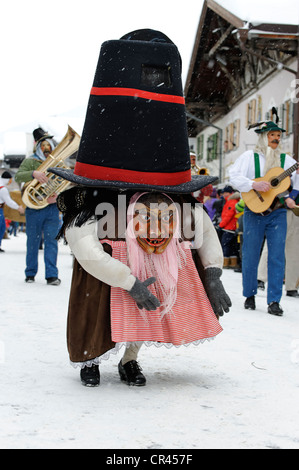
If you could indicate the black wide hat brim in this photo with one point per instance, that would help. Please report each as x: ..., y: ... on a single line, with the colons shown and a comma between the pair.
x: 197, y: 182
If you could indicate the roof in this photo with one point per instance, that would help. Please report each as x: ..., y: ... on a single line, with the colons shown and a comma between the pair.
x: 231, y: 57
x: 257, y: 12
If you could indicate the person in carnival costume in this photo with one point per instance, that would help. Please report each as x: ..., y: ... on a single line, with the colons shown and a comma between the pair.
x: 138, y: 236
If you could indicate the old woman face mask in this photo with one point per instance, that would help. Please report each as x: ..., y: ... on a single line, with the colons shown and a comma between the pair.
x: 154, y: 222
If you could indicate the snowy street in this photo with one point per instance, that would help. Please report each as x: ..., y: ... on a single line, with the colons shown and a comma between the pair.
x: 240, y: 391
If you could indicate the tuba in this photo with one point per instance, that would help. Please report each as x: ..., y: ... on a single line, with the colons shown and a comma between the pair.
x: 195, y: 169
x: 35, y: 194
x: 203, y: 171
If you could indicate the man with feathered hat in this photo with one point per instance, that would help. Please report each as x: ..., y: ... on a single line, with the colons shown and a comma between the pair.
x: 249, y: 173
x: 130, y: 219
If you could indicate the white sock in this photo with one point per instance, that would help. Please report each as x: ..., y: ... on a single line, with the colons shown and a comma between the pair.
x: 131, y: 353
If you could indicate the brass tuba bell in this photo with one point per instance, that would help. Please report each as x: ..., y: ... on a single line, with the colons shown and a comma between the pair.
x: 203, y: 171
x: 196, y: 170
x: 35, y: 194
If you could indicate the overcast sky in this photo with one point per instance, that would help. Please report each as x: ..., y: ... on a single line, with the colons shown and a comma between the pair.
x: 49, y: 49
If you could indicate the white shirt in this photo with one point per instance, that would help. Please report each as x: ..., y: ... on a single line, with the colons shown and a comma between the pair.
x: 295, y: 181
x: 242, y: 173
x: 6, y: 199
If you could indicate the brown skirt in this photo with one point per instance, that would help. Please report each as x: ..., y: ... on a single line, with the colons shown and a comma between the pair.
x: 88, y: 325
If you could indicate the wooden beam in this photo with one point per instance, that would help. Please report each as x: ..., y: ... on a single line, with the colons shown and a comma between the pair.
x: 221, y: 40
x: 218, y: 107
x: 229, y: 75
x: 267, y: 59
x: 225, y: 14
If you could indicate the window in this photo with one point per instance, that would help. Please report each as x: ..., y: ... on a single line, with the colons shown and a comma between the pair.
x: 259, y: 116
x: 236, y: 140
x: 287, y: 117
x: 212, y: 147
x: 200, y: 148
x: 232, y: 136
x: 250, y: 113
x: 227, y: 143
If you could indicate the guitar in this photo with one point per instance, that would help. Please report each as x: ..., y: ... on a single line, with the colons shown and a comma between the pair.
x: 279, y: 180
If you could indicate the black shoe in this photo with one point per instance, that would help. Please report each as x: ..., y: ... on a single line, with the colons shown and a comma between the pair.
x: 90, y: 376
x: 292, y: 293
x: 275, y: 309
x: 29, y: 279
x: 250, y: 303
x: 2, y: 251
x: 261, y: 285
x: 53, y: 281
x: 131, y: 373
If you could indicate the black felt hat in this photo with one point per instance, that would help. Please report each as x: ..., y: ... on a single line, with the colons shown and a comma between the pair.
x: 135, y: 132
x: 39, y: 135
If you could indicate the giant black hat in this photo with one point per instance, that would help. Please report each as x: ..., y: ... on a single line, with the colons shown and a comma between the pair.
x: 135, y: 132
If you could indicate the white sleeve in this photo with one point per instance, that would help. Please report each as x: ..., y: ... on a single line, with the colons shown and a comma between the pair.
x: 295, y: 181
x: 289, y: 161
x: 206, y: 240
x: 7, y: 199
x: 89, y: 252
x: 241, y: 173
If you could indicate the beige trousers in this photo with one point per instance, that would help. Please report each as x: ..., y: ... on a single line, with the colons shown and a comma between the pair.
x: 291, y: 255
x: 292, y: 252
x: 262, y: 272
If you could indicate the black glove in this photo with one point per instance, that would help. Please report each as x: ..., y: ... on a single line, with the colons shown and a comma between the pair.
x: 142, y: 296
x: 215, y: 291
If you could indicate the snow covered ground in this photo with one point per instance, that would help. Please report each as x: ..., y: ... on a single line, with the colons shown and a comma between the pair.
x: 240, y: 391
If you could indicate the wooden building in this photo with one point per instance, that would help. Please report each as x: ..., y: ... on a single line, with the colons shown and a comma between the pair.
x: 238, y: 72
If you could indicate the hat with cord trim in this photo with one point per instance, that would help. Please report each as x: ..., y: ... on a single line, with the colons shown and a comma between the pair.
x: 135, y: 132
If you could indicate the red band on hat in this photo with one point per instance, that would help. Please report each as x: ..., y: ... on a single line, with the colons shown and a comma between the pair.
x: 96, y: 172
x: 147, y: 95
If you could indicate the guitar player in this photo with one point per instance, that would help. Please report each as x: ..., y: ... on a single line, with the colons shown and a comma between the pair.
x: 270, y: 224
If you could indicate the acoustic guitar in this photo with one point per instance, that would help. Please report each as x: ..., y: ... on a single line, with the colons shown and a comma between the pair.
x: 279, y: 180
x: 14, y: 214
